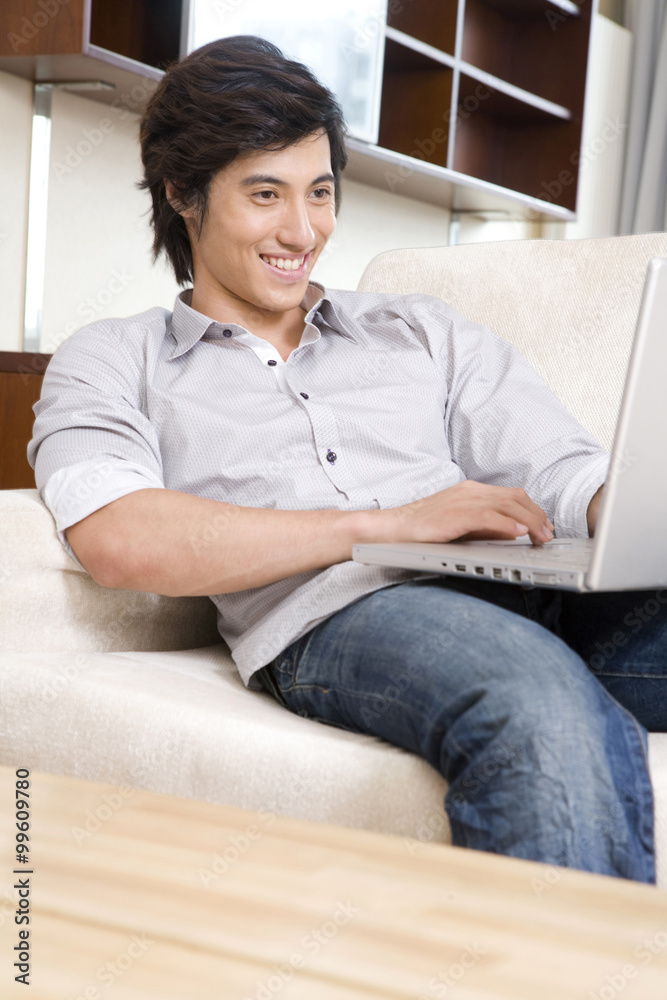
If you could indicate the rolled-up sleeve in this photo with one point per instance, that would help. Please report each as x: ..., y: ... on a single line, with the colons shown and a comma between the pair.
x: 92, y: 441
x: 78, y: 490
x: 505, y: 426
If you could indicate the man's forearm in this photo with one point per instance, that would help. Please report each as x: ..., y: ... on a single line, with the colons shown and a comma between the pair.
x: 177, y: 544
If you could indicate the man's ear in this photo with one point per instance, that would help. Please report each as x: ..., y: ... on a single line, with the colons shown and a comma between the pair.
x: 175, y: 200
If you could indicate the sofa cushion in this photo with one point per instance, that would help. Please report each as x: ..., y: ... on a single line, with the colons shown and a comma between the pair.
x: 50, y: 604
x: 183, y: 723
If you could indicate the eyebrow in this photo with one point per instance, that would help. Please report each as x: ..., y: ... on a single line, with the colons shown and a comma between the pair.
x: 269, y: 179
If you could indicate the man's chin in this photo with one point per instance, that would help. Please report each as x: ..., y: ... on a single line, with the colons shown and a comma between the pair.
x: 282, y: 300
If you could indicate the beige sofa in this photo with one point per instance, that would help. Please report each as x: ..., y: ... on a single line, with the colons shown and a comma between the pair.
x: 138, y: 690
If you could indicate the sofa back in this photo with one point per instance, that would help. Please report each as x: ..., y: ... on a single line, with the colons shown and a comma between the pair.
x: 49, y: 604
x: 570, y: 306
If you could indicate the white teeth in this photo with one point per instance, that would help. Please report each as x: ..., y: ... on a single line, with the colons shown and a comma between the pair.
x: 284, y: 263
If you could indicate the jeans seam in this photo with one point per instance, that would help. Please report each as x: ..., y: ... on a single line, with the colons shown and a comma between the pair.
x: 607, y: 673
x: 359, y: 696
x: 644, y: 784
x: 646, y: 790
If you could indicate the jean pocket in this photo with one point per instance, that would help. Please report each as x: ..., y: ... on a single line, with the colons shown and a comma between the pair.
x: 284, y: 667
x: 270, y: 683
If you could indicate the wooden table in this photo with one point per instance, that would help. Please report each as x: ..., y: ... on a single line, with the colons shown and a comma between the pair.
x: 135, y: 895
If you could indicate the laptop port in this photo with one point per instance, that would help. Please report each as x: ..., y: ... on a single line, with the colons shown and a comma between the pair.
x: 497, y: 573
x: 479, y: 570
x: 515, y: 575
x: 461, y: 567
x: 548, y: 578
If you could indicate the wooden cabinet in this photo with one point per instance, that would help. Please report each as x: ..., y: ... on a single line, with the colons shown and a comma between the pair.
x: 113, y: 52
x: 21, y: 375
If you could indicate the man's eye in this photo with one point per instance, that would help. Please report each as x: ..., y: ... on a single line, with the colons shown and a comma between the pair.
x: 265, y: 195
x: 321, y: 193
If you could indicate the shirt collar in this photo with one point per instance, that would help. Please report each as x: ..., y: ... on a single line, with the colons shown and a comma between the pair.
x: 187, y: 326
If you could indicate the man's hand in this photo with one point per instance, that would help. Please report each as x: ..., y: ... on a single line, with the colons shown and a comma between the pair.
x: 592, y: 512
x: 469, y: 510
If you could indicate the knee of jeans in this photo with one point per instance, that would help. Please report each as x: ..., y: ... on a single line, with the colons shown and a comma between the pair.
x: 542, y: 741
x: 554, y: 700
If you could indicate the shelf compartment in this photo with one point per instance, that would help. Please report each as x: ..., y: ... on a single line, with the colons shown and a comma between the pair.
x: 517, y: 43
x: 516, y: 145
x: 148, y: 32
x: 414, y: 178
x: 430, y: 21
x: 415, y: 45
x: 518, y: 93
x: 416, y: 104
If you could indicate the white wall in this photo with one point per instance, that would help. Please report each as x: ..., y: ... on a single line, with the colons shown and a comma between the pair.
x: 98, y: 261
x: 371, y: 221
x: 614, y: 9
x: 98, y: 240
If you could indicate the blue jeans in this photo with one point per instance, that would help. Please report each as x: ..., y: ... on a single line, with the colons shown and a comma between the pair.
x: 534, y: 705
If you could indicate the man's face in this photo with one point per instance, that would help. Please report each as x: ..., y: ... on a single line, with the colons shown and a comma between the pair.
x: 270, y: 215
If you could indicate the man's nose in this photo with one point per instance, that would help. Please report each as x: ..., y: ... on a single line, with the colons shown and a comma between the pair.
x: 295, y: 228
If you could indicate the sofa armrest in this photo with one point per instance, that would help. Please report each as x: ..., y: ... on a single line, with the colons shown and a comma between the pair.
x: 50, y: 604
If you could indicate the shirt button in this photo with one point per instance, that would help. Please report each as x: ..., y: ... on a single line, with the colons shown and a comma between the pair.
x: 272, y: 362
x: 331, y: 456
x: 226, y: 333
x: 305, y: 395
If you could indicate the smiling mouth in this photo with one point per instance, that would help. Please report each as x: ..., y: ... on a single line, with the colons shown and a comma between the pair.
x: 285, y: 263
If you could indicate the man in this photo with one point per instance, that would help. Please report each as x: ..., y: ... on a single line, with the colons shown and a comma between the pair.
x: 239, y: 446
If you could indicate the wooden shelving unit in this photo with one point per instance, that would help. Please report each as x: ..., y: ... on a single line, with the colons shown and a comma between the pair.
x: 491, y: 91
x: 481, y: 106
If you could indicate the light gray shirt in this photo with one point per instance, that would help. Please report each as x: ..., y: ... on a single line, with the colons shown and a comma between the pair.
x: 387, y: 399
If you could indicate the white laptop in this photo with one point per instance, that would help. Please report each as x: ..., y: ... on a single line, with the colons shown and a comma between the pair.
x: 629, y: 550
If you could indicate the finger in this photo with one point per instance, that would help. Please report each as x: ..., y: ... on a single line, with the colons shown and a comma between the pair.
x: 522, y: 498
x: 497, y: 525
x: 536, y: 523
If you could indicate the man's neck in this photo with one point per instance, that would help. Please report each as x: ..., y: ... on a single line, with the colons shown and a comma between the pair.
x: 282, y: 330
x: 283, y: 326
